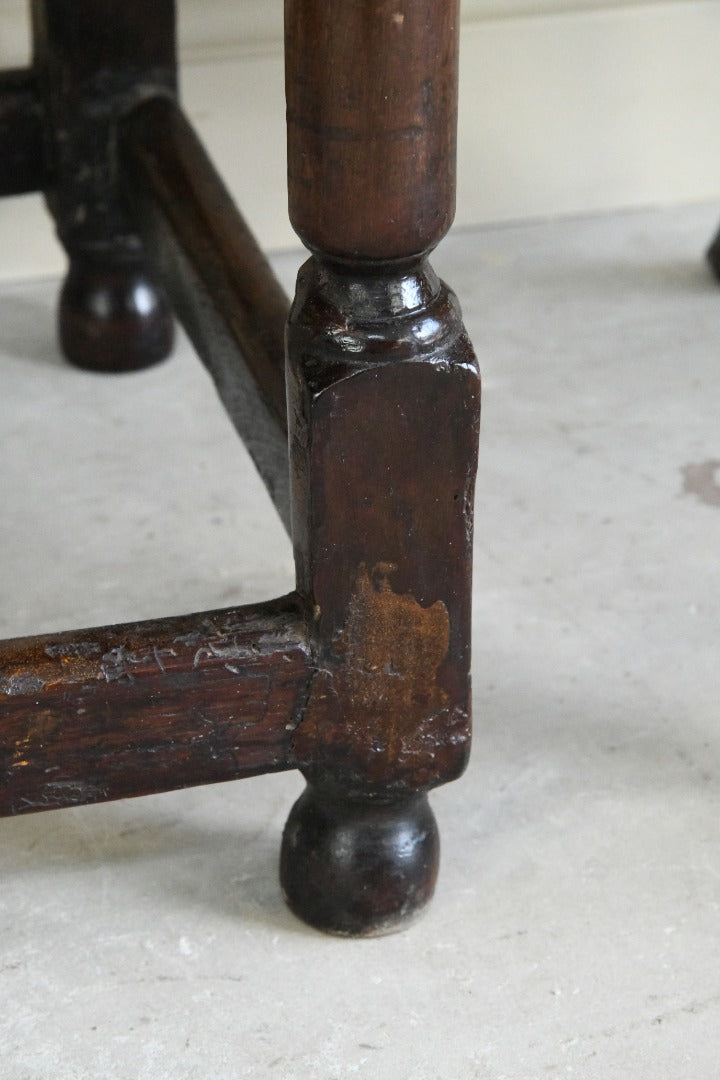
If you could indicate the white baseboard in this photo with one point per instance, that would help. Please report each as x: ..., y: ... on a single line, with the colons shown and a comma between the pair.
x: 584, y: 107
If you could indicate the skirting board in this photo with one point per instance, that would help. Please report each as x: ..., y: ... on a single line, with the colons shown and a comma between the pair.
x: 570, y: 112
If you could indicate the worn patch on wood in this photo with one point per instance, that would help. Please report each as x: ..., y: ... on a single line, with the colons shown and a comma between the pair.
x: 376, y: 707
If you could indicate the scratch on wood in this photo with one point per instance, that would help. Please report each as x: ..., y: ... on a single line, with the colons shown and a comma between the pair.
x: 73, y: 650
x: 158, y: 655
x: 118, y: 662
x: 115, y: 665
x: 22, y: 683
x: 219, y: 652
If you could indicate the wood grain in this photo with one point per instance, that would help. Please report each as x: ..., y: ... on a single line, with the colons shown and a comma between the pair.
x: 372, y: 116
x: 107, y: 713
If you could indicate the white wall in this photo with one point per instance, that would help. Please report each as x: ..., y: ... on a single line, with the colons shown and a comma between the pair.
x: 567, y: 106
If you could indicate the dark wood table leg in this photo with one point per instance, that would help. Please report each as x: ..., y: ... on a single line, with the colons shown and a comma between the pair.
x: 93, y: 58
x: 384, y: 396
x: 713, y: 255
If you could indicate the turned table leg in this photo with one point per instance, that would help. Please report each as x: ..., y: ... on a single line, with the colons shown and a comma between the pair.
x: 383, y: 403
x: 93, y: 59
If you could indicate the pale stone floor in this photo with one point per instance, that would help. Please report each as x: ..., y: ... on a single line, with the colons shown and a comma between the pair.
x: 576, y: 928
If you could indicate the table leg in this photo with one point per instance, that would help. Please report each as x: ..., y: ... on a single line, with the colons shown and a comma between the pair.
x: 93, y: 59
x: 383, y: 394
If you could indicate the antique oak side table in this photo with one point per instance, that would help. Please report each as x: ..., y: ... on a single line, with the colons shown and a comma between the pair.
x: 359, y: 405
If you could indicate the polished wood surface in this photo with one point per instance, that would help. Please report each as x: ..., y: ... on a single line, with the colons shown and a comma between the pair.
x: 384, y: 399
x: 372, y: 116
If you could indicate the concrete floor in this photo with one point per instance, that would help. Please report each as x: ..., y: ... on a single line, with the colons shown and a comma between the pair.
x: 576, y: 928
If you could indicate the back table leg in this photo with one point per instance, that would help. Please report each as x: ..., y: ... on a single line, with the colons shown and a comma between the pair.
x: 93, y: 58
x: 713, y: 255
x: 383, y: 394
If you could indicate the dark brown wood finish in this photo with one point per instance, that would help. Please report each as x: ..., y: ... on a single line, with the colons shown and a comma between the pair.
x: 383, y: 394
x: 372, y: 118
x: 361, y: 678
x: 93, y: 59
x: 107, y: 713
x: 23, y: 166
x: 220, y: 283
x: 384, y: 428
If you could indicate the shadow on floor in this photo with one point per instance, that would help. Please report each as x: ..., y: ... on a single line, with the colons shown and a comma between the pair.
x: 27, y: 329
x: 191, y: 861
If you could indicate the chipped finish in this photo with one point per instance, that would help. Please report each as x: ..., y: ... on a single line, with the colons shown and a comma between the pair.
x: 127, y: 710
x: 20, y: 684
x: 377, y: 703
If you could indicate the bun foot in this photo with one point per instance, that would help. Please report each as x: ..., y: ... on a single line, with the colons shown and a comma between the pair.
x: 113, y: 316
x: 359, y: 868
